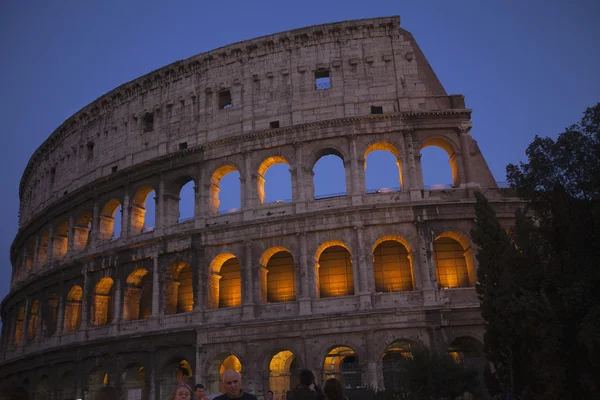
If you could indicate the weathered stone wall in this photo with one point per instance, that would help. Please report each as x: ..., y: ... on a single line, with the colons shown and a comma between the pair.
x: 150, y: 298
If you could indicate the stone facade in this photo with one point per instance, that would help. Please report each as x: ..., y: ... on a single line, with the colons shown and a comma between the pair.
x: 145, y: 309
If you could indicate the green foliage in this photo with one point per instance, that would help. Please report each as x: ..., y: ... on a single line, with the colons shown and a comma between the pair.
x: 538, y: 283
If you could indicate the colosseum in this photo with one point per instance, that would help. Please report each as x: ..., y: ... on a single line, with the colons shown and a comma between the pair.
x: 343, y: 285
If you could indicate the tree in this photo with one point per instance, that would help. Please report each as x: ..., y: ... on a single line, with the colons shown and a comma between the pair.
x: 538, y: 283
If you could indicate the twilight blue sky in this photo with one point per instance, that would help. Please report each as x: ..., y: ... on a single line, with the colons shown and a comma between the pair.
x: 525, y: 67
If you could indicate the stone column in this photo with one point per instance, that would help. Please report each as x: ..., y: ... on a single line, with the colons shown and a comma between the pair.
x: 25, y: 326
x: 372, y: 360
x: 298, y: 189
x: 465, y: 142
x: 247, y: 201
x: 355, y: 189
x: 160, y: 203
x: 156, y: 308
x: 50, y: 251
x: 71, y: 236
x: 40, y: 322
x: 410, y: 153
x: 363, y: 281
x: 117, y: 303
x: 125, y: 216
x: 95, y: 234
x: 213, y: 290
x: 424, y: 268
x: 60, y: 319
x: 36, y: 252
x: 84, y: 299
x: 247, y: 281
x: 200, y: 208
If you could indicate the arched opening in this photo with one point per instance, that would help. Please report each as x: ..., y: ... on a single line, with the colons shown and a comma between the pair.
x: 384, y: 174
x: 110, y: 220
x: 60, y: 240
x: 102, y: 306
x: 73, y: 309
x: 133, y: 382
x: 283, y: 373
x: 329, y: 176
x: 393, y: 363
x: 67, y: 388
x: 51, y: 314
x: 187, y: 196
x: 143, y: 210
x: 230, y: 285
x: 97, y: 379
x: 221, y: 364
x: 19, y: 326
x: 334, y: 267
x: 392, y: 266
x: 81, y: 231
x: 453, y: 261
x: 468, y: 351
x: 436, y: 153
x: 43, y: 247
x: 32, y: 324
x: 29, y: 255
x: 42, y: 389
x: 279, y: 280
x: 274, y: 181
x: 179, y: 292
x: 174, y: 373
x: 225, y: 179
x: 342, y: 364
x: 137, y: 302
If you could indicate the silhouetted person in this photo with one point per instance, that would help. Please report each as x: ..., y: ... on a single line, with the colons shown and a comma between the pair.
x: 333, y: 390
x: 307, y: 389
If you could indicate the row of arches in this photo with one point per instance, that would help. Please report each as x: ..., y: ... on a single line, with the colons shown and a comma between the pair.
x: 279, y: 372
x: 278, y: 279
x: 182, y: 200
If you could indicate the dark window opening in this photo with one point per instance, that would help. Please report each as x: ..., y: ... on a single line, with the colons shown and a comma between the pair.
x: 322, y: 80
x: 182, y: 145
x: 65, y: 193
x: 52, y: 175
x: 114, y: 169
x: 225, y: 99
x: 274, y: 124
x: 148, y: 123
x: 376, y: 110
x: 90, y: 150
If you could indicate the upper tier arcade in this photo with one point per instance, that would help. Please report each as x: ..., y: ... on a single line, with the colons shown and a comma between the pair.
x: 288, y: 79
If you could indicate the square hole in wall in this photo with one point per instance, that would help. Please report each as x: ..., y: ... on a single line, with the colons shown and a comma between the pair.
x: 114, y: 169
x: 225, y: 99
x: 90, y: 150
x: 376, y: 109
x: 322, y: 80
x: 182, y: 145
x: 274, y: 124
x: 148, y: 123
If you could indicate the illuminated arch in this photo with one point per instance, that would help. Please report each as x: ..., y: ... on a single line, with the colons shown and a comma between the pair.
x: 138, y: 209
x: 173, y: 373
x: 326, y: 151
x: 392, y: 264
x: 453, y: 257
x: 73, y: 309
x: 107, y: 219
x: 137, y: 302
x: 342, y: 363
x: 215, y: 179
x: 51, y: 314
x: 395, y: 355
x: 179, y: 292
x: 278, y: 283
x: 60, y: 240
x: 186, y: 189
x: 450, y: 149
x: 316, y: 158
x: 389, y: 147
x: 468, y: 351
x: 102, y: 306
x: 283, y: 375
x: 81, y: 231
x: 262, y: 170
x: 333, y: 261
x: 18, y: 330
x: 33, y: 320
x: 43, y: 247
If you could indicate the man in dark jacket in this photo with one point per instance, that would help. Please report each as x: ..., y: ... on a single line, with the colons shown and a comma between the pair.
x: 307, y: 389
x: 233, y: 387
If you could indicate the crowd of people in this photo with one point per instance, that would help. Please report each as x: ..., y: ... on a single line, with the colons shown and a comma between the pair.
x: 307, y: 389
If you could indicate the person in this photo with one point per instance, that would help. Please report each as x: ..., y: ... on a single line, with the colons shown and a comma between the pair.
x: 199, y: 392
x: 232, y: 381
x: 107, y: 393
x: 306, y: 389
x: 333, y: 390
x: 181, y: 392
x: 270, y: 395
